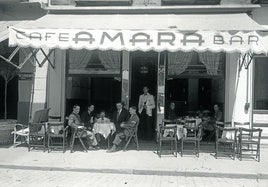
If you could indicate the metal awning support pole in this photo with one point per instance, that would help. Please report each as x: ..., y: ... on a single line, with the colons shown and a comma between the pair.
x: 45, y: 59
x: 8, y: 60
x: 28, y: 57
x: 246, y: 60
x: 14, y: 53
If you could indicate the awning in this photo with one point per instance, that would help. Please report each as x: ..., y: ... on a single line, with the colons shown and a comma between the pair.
x: 199, y: 32
x: 4, y: 25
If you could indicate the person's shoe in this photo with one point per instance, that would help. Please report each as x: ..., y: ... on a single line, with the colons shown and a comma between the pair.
x: 91, y: 148
x: 96, y: 147
x: 113, y: 149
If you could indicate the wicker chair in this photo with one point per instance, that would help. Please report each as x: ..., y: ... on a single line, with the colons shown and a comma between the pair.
x: 193, y: 136
x: 21, y: 132
x: 134, y: 136
x: 56, y: 136
x: 226, y: 136
x: 167, y: 133
x: 249, y: 140
x: 38, y: 130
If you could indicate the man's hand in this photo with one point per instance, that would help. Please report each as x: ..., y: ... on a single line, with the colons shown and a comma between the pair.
x: 122, y: 125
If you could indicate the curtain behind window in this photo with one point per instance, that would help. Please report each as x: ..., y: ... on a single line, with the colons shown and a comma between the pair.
x: 211, y: 61
x: 178, y: 62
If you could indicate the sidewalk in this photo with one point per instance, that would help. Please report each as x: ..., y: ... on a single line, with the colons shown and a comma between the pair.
x: 143, y: 162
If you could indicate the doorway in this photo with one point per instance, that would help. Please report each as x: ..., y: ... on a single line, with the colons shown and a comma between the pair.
x: 143, y: 73
x: 102, y: 92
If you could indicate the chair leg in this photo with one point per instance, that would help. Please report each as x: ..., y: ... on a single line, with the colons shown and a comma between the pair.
x: 137, y: 142
x: 48, y: 144
x: 160, y: 148
x: 240, y: 151
x: 258, y: 152
x: 128, y: 141
x: 217, y: 147
x: 63, y: 143
x: 198, y: 146
x: 14, y: 139
x: 29, y: 146
x: 181, y: 148
x: 176, y: 148
x: 72, y: 143
x: 44, y: 143
x: 233, y: 146
x: 83, y: 145
x: 195, y: 148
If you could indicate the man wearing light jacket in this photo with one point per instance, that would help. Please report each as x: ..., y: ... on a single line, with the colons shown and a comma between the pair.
x: 146, y: 105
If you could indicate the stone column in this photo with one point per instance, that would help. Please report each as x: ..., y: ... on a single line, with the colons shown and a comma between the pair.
x: 125, y: 93
x: 56, y: 84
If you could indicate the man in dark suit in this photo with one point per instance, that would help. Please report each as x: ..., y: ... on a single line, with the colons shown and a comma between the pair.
x: 128, y: 127
x: 119, y: 116
x: 88, y: 117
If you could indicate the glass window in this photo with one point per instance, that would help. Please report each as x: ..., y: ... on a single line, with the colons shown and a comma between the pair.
x: 261, y: 83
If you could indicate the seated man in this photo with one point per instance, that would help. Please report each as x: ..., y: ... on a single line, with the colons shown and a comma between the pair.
x: 171, y: 112
x: 88, y: 117
x: 217, y: 113
x: 127, y: 127
x: 209, y: 123
x: 206, y: 121
x: 75, y: 123
x: 102, y: 118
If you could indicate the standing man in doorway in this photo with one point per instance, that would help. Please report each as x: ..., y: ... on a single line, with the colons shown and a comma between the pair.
x: 146, y: 105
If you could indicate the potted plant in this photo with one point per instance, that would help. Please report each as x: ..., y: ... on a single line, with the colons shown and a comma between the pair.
x: 7, y: 72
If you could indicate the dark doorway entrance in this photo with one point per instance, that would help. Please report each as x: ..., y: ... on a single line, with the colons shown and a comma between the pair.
x: 103, y: 92
x: 143, y: 73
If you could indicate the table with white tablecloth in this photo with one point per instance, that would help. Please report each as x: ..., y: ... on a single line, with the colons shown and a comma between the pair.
x: 228, y: 135
x: 181, y: 131
x: 104, y: 129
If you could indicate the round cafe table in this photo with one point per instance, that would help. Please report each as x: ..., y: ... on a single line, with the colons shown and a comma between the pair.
x: 105, y: 129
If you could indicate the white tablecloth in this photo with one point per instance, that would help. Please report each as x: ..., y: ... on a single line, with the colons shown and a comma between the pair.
x: 104, y: 128
x: 229, y: 135
x: 180, y: 131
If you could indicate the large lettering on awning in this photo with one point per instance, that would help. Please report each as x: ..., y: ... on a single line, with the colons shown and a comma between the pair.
x: 158, y: 40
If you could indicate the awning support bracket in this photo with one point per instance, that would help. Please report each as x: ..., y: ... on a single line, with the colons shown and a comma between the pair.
x: 40, y: 64
x: 246, y: 60
x: 8, y: 60
x: 47, y: 58
x: 28, y: 57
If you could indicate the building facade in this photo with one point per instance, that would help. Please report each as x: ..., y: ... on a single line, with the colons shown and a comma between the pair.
x: 193, y: 79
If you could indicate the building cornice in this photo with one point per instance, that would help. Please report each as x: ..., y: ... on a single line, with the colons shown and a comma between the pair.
x: 153, y: 9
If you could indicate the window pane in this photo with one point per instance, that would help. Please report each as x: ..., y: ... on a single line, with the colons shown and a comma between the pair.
x: 261, y: 83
